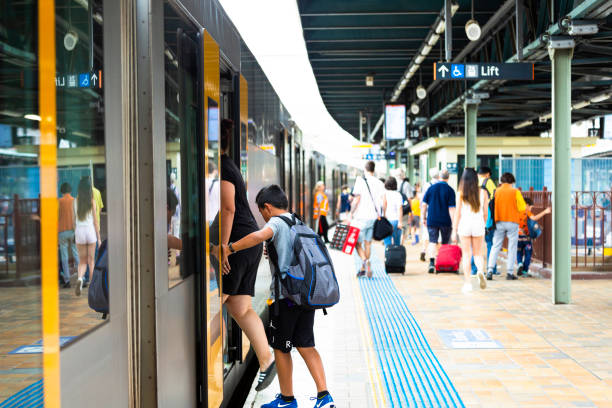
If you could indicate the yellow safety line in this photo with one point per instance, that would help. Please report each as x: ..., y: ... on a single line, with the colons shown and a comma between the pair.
x: 375, y: 380
x: 48, y: 203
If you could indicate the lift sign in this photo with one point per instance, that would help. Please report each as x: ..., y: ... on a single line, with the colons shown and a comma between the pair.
x: 521, y: 71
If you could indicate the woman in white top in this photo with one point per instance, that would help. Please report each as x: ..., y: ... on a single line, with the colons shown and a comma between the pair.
x: 86, y: 232
x: 392, y: 210
x: 469, y: 224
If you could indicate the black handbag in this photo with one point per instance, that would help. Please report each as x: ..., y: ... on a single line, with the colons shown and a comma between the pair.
x: 382, y: 226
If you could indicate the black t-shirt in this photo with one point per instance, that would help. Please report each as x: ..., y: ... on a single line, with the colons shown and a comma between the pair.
x: 244, y: 221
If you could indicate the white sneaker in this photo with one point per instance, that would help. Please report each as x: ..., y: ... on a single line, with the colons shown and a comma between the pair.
x: 79, y: 287
x: 481, y: 280
x: 467, y: 287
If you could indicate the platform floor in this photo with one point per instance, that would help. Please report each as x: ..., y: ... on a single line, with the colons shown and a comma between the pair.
x: 505, y: 346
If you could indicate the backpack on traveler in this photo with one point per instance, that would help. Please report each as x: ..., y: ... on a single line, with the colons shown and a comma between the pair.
x: 310, y: 281
x: 97, y: 296
x: 406, y: 209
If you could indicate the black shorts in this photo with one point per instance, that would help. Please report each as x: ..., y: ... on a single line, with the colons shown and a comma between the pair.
x: 244, y: 265
x: 444, y: 232
x: 293, y: 327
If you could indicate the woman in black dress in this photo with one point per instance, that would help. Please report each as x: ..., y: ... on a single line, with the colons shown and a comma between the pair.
x: 237, y: 221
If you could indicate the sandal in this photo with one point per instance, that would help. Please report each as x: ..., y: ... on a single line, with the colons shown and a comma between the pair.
x: 362, y: 271
x: 369, y: 267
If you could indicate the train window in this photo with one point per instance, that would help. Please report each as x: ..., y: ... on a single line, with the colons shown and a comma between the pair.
x: 69, y: 174
x: 243, y: 151
x: 182, y: 146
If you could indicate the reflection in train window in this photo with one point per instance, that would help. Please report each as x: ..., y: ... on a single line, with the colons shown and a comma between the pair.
x: 183, y: 145
x: 81, y: 180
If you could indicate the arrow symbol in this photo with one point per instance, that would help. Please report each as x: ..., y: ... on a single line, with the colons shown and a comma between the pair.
x: 443, y: 70
x: 94, y: 79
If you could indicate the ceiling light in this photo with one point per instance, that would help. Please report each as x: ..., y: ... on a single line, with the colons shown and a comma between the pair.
x: 369, y: 80
x: 413, y: 69
x: 403, y: 83
x: 11, y: 113
x: 523, y: 124
x: 70, y: 40
x: 421, y: 92
x: 433, y: 39
x: 407, y: 120
x: 440, y: 27
x: 32, y: 116
x: 426, y: 50
x: 472, y: 30
x: 414, y: 108
x: 581, y: 104
x: 600, y: 98
x: 419, y: 59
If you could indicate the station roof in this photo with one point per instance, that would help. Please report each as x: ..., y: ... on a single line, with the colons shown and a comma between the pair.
x: 349, y: 40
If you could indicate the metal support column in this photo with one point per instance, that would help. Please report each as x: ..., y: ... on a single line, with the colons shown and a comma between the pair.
x: 471, y: 125
x: 561, y: 128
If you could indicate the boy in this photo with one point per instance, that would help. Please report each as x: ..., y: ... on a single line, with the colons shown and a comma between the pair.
x: 293, y: 326
x: 524, y: 251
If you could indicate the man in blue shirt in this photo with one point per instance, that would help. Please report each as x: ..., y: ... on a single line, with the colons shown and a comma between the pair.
x: 438, y: 210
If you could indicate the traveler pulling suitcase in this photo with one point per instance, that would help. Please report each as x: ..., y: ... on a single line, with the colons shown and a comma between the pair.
x: 449, y: 259
x: 395, y: 258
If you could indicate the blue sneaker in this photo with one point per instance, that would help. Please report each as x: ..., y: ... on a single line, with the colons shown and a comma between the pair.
x: 279, y: 402
x: 324, y: 402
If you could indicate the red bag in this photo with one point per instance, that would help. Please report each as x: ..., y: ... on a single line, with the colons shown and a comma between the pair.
x: 449, y: 258
x: 351, y: 240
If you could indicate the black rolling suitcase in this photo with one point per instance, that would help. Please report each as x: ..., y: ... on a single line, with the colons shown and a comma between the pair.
x: 395, y: 258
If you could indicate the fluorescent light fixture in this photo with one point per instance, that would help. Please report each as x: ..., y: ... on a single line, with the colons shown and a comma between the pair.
x: 454, y: 8
x: 421, y: 92
x: 32, y: 116
x: 440, y: 27
x: 581, y: 104
x: 369, y: 80
x: 81, y: 134
x: 419, y: 59
x: 403, y: 83
x: 414, y: 108
x: 426, y: 50
x: 407, y: 120
x: 433, y: 39
x: 413, y: 69
x: 11, y: 113
x: 523, y: 124
x: 601, y: 98
x: 472, y: 30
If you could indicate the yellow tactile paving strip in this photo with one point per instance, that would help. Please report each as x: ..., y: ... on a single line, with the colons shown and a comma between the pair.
x: 20, y: 325
x: 552, y: 355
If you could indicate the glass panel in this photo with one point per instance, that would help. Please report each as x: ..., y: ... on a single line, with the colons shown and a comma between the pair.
x: 182, y: 146
x: 213, y: 203
x: 81, y: 182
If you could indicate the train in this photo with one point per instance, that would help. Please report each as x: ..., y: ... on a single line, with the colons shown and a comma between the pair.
x: 141, y: 89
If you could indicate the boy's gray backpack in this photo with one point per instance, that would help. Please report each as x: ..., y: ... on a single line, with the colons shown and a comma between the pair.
x: 310, y: 281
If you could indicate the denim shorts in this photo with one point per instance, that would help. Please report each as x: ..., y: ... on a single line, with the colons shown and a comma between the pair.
x: 444, y: 232
x: 366, y: 229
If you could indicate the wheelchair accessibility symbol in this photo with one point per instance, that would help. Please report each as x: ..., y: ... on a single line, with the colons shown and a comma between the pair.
x: 457, y: 71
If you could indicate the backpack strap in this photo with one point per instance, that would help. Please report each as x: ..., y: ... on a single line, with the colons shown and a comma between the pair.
x: 484, y: 187
x: 274, y: 258
x: 289, y: 221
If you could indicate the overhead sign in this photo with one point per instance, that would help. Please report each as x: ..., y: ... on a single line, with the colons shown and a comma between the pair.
x: 395, y: 122
x: 91, y: 79
x: 445, y: 71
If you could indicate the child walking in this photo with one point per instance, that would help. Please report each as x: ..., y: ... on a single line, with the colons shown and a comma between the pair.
x: 290, y: 326
x: 525, y: 247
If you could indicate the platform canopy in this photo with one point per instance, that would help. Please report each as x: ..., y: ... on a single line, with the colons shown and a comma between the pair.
x: 348, y: 41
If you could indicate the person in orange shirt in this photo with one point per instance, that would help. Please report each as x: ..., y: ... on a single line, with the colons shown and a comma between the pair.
x: 66, y: 232
x: 509, y: 204
x: 320, y: 209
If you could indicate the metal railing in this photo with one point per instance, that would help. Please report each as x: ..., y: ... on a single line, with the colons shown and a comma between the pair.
x: 19, y: 237
x: 591, y: 224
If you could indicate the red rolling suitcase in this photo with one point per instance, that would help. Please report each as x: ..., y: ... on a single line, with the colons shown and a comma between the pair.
x: 449, y: 259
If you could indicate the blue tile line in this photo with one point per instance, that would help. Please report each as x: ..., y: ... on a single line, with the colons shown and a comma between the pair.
x: 413, y: 375
x: 30, y: 397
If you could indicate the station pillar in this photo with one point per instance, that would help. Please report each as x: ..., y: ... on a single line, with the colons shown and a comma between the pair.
x: 471, y: 114
x: 561, y: 195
